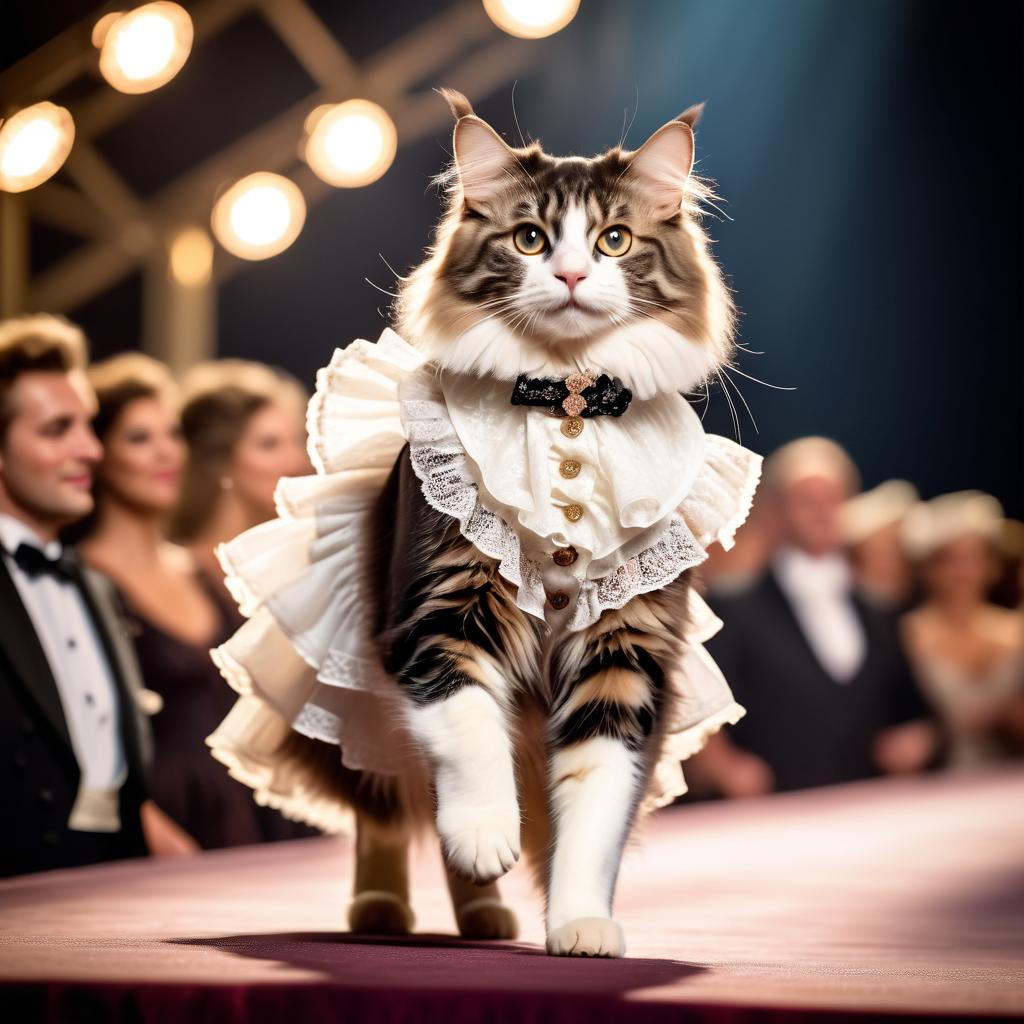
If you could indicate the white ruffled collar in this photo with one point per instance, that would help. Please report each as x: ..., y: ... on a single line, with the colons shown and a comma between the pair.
x: 637, y: 468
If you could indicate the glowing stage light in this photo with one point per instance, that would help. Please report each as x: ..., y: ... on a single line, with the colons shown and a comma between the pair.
x: 350, y: 144
x: 531, y: 19
x: 145, y: 48
x: 192, y: 257
x: 259, y: 216
x: 34, y: 143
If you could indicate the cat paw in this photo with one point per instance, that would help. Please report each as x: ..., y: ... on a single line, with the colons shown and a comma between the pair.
x: 587, y: 936
x: 482, y: 852
x: 380, y: 913
x: 486, y: 918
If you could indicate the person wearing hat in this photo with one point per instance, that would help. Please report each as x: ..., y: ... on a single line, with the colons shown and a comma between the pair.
x: 830, y: 695
x: 968, y: 652
x: 871, y: 523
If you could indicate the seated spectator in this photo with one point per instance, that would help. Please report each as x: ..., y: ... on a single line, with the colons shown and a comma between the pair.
x: 73, y: 732
x: 968, y: 652
x: 872, y: 531
x: 828, y: 691
x: 244, y: 425
x: 177, y: 611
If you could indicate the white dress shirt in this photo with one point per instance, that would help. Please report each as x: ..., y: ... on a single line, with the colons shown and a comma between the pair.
x: 819, y: 591
x: 83, y: 676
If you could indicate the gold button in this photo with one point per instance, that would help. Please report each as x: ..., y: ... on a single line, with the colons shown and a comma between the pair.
x: 565, y: 556
x: 570, y: 468
x: 559, y: 599
x: 572, y: 426
x: 574, y: 513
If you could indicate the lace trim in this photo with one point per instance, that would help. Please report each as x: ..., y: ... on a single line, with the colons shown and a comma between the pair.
x: 441, y: 464
x: 446, y: 489
x: 653, y: 568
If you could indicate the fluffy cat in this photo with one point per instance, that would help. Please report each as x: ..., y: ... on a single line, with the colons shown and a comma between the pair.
x: 526, y: 737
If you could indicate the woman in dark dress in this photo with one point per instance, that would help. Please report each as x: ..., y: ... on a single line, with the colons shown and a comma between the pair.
x: 178, y: 611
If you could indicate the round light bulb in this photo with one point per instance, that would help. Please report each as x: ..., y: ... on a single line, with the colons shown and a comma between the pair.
x: 259, y: 216
x: 350, y: 144
x: 531, y: 19
x: 34, y: 143
x: 192, y: 257
x: 145, y: 48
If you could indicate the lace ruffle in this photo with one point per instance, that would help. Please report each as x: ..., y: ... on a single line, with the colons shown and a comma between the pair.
x: 716, y: 506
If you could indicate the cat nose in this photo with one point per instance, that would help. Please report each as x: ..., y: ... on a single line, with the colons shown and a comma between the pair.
x: 571, y: 279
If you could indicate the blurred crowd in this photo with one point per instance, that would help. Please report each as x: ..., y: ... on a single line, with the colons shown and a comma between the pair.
x: 117, y: 483
x: 866, y: 633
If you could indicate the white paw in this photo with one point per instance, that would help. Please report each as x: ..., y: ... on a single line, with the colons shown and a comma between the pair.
x: 479, y: 847
x: 587, y: 936
x: 486, y: 918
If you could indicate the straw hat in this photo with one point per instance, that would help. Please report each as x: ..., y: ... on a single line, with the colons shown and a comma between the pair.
x: 931, y: 524
x: 875, y: 510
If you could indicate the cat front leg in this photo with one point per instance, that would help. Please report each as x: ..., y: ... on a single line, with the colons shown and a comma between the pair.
x: 608, y: 692
x: 466, y: 741
x: 452, y: 656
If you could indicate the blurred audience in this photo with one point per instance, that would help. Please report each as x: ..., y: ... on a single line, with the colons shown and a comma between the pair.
x: 244, y: 425
x: 829, y: 693
x: 73, y: 732
x: 178, y: 612
x: 969, y: 653
x: 872, y: 531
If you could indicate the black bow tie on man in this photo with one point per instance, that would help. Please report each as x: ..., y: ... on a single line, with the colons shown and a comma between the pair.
x: 34, y: 562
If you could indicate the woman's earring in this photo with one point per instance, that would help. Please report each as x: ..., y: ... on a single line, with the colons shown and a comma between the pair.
x: 226, y: 483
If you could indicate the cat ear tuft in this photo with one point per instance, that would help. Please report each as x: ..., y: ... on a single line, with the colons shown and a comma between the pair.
x: 662, y: 164
x: 457, y: 103
x: 484, y: 162
x: 691, y: 115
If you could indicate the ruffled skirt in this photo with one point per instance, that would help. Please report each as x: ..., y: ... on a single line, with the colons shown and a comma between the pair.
x: 306, y: 658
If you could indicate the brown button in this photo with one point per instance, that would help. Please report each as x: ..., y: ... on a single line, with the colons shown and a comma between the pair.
x: 565, y: 556
x: 572, y: 426
x: 570, y: 468
x: 574, y: 513
x: 559, y: 599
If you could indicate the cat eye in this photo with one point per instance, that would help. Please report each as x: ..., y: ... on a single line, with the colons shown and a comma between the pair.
x: 530, y: 240
x: 615, y: 241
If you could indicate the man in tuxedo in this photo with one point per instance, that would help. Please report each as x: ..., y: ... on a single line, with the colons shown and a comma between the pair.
x: 74, y: 739
x: 829, y: 694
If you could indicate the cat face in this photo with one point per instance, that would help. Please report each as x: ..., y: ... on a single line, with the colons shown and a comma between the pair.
x: 548, y: 265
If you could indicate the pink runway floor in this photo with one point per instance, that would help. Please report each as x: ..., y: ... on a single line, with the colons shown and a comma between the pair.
x: 895, y: 899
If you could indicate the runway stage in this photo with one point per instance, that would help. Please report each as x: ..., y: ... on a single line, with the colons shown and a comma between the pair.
x: 898, y: 898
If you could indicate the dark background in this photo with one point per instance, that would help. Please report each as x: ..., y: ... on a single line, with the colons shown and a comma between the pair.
x: 868, y: 153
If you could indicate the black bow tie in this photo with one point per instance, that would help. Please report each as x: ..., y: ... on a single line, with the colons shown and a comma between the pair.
x: 606, y: 396
x: 34, y: 562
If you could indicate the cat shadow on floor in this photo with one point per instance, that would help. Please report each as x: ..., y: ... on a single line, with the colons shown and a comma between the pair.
x: 435, y: 961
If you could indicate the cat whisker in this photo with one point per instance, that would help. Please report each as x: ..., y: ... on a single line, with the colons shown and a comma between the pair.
x: 398, y: 276
x: 757, y: 380
x: 383, y: 291
x: 732, y: 408
x: 741, y: 398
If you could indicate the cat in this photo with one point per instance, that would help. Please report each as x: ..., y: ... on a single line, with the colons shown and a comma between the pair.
x: 529, y: 738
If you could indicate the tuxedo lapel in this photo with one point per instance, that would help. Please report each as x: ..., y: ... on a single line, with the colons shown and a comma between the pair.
x: 106, y: 622
x: 792, y: 623
x: 20, y: 643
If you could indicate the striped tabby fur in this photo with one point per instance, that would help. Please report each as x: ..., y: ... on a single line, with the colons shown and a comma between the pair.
x: 525, y: 739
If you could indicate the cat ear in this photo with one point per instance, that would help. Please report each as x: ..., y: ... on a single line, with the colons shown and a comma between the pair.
x: 691, y: 115
x: 484, y: 162
x: 662, y: 164
x: 457, y: 103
